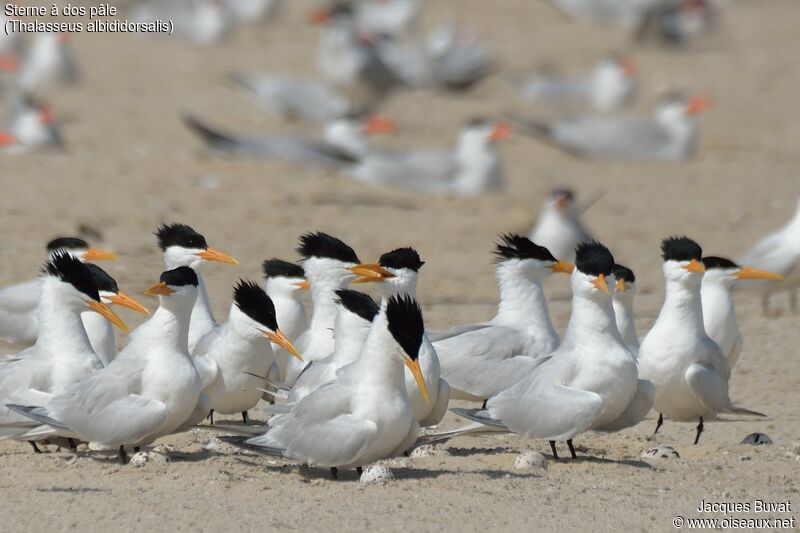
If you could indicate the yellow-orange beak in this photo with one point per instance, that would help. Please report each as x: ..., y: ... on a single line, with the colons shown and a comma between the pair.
x: 302, y: 284
x: 621, y: 286
x: 124, y: 300
x: 376, y: 125
x: 413, y: 366
x: 628, y: 66
x: 754, y: 273
x: 280, y: 339
x: 210, y: 254
x: 106, y: 312
x: 697, y: 105
x: 96, y: 254
x: 370, y: 272
x: 159, y: 289
x: 600, y: 283
x: 564, y: 267
x: 501, y: 131
x: 695, y: 266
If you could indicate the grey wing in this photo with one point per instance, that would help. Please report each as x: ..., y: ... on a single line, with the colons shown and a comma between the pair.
x: 321, y: 430
x: 435, y: 336
x: 20, y: 375
x: 18, y: 319
x: 106, y: 406
x: 640, y: 405
x: 484, y: 362
x: 539, y: 407
x: 430, y: 171
x: 600, y: 136
x: 708, y: 386
x: 440, y: 408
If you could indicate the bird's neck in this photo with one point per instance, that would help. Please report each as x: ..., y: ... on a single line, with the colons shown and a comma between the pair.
x: 348, y: 341
x: 379, y: 359
x: 388, y: 290
x: 168, y: 328
x: 60, y: 327
x: 202, y: 317
x: 718, y: 308
x: 623, y: 312
x: 523, y: 304
x: 682, y: 306
x: 101, y: 334
x: 323, y: 315
x: 591, y: 321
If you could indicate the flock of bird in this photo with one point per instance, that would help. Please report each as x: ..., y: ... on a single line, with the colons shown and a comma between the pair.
x: 370, y: 50
x: 355, y: 382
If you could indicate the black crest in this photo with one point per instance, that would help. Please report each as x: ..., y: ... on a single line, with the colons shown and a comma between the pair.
x: 517, y: 247
x: 402, y: 258
x: 72, y: 271
x: 680, y: 249
x: 70, y: 243
x: 178, y: 277
x: 276, y: 268
x: 323, y: 245
x: 405, y: 323
x: 358, y: 303
x: 624, y: 273
x: 101, y: 278
x: 719, y: 262
x: 179, y: 235
x: 594, y: 259
x: 254, y: 302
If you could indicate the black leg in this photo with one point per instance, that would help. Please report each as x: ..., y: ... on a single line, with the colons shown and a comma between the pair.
x: 123, y: 457
x: 658, y: 424
x: 72, y: 445
x: 359, y: 470
x: 571, y: 449
x: 34, y: 446
x: 334, y: 473
x: 210, y: 417
x: 484, y: 404
x: 553, y: 448
x: 136, y: 449
x: 699, y: 430
x: 244, y: 417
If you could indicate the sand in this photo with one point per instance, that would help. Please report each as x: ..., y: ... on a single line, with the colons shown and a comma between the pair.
x: 131, y: 165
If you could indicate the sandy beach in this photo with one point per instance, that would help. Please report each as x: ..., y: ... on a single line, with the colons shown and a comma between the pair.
x: 130, y: 165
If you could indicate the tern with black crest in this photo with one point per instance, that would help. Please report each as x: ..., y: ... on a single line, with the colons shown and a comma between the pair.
x: 559, y: 227
x: 625, y: 290
x: 285, y: 285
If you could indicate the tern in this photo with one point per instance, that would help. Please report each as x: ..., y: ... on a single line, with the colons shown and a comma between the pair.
x: 559, y: 228
x: 149, y: 390
x: 329, y: 265
x: 610, y: 86
x: 344, y: 142
x: 19, y: 322
x: 30, y: 125
x: 99, y: 329
x: 364, y: 415
x: 590, y: 382
x: 777, y: 252
x: 353, y: 321
x: 183, y: 246
x: 719, y: 313
x: 625, y: 290
x: 285, y: 285
x: 481, y: 360
x: 48, y: 61
x: 229, y: 357
x: 688, y: 369
x: 669, y: 135
x: 471, y: 168
x: 400, y: 269
x: 62, y: 354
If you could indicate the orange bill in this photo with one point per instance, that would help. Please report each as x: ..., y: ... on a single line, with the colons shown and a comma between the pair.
x: 159, y: 289
x: 628, y: 66
x: 754, y: 273
x: 600, y: 283
x: 501, y: 131
x: 96, y: 254
x: 377, y: 124
x: 621, y: 286
x: 370, y: 272
x: 124, y: 300
x: 697, y: 104
x: 7, y: 138
x: 281, y: 340
x: 695, y: 266
x: 106, y: 312
x: 565, y: 267
x: 302, y: 284
x: 210, y: 254
x: 319, y: 16
x: 413, y: 366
